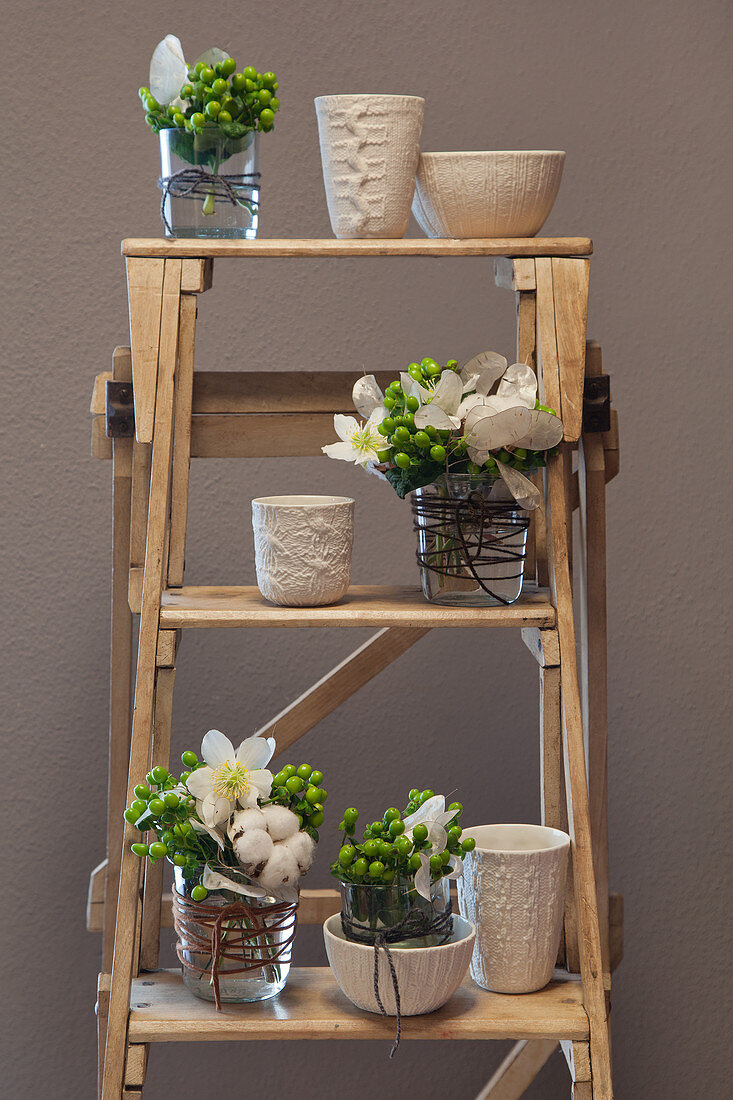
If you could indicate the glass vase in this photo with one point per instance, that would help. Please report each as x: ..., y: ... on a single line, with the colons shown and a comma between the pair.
x: 210, y: 184
x: 471, y: 541
x: 369, y: 910
x: 258, y: 943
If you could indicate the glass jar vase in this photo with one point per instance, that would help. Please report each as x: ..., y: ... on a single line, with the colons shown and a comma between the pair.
x: 210, y: 184
x: 471, y: 541
x: 397, y: 910
x: 232, y: 948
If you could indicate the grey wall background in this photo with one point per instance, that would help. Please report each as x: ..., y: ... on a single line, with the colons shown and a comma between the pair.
x: 638, y: 95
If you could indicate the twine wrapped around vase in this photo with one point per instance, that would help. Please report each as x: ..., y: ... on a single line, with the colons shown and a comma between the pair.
x: 199, y: 183
x: 246, y: 945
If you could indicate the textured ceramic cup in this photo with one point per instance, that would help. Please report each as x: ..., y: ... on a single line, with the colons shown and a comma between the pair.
x: 489, y: 194
x: 369, y: 149
x: 513, y: 889
x: 303, y: 548
x: 427, y: 976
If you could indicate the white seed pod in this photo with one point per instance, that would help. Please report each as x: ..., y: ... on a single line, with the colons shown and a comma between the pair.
x: 303, y: 848
x: 253, y: 849
x: 243, y: 820
x: 280, y: 869
x: 280, y: 822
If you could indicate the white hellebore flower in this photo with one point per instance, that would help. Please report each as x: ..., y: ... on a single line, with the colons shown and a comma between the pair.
x: 359, y: 441
x: 435, y: 817
x: 230, y: 778
x: 168, y: 70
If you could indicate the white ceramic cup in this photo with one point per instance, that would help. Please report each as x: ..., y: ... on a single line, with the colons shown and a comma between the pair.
x: 513, y: 889
x: 370, y: 146
x: 303, y: 548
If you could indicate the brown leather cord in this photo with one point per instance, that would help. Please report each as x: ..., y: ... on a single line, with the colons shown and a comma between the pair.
x: 247, y: 945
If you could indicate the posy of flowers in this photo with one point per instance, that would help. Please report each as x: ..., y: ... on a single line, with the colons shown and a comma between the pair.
x: 483, y: 419
x: 228, y: 814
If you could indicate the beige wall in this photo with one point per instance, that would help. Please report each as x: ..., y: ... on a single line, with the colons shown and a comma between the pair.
x: 638, y: 96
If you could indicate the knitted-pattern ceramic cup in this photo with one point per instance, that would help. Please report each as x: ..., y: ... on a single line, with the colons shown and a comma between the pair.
x: 370, y: 146
x: 303, y: 548
x: 513, y: 889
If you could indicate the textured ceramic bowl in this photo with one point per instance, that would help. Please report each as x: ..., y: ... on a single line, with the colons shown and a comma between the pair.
x: 369, y: 150
x: 427, y: 976
x: 513, y: 889
x: 303, y: 548
x: 490, y: 194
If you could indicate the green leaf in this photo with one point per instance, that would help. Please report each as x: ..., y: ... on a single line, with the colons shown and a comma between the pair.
x: 234, y: 129
x: 406, y: 481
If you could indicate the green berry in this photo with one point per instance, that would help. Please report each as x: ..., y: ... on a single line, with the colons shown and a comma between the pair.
x: 199, y: 893
x: 389, y: 401
x: 267, y: 118
x: 171, y: 800
x: 288, y: 771
x: 360, y: 867
x: 371, y: 848
x: 250, y: 73
x: 436, y: 864
x: 207, y: 74
x: 412, y: 404
x: 219, y: 86
x: 198, y: 120
x: 396, y: 828
x: 295, y: 784
x: 179, y: 859
x: 420, y: 834
x: 269, y: 79
x: 414, y: 794
x: 138, y: 807
x: 189, y: 759
x: 457, y: 807
x: 224, y: 116
x: 142, y: 791
x: 402, y: 460
x: 311, y: 795
x: 158, y: 850
x: 437, y: 453
x: 140, y: 850
x: 413, y: 863
x: 316, y: 778
x: 227, y: 66
x: 422, y: 440
x: 351, y: 816
x: 304, y: 771
x: 468, y: 844
x: 212, y: 109
x: 376, y: 869
x: 347, y: 855
x: 388, y: 876
x: 403, y: 846
x: 157, y: 806
x: 425, y: 795
x: 130, y: 816
x: 317, y: 819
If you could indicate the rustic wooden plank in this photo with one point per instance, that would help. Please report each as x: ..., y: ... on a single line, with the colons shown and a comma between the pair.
x: 312, y: 1007
x: 135, y: 588
x: 98, y: 404
x: 264, y: 247
x: 548, y: 371
x: 101, y: 446
x: 270, y: 435
x: 277, y: 391
x: 145, y: 299
x: 518, y: 1070
x: 140, y: 745
x: 165, y: 657
x: 570, y: 282
x: 95, y: 895
x: 543, y: 645
x: 196, y: 276
x: 339, y: 684
x: 577, y: 1056
x: 101, y: 1010
x: 363, y: 605
x: 136, y: 1065
x: 182, y: 440
x: 159, y: 754
x: 514, y: 274
x: 141, y: 459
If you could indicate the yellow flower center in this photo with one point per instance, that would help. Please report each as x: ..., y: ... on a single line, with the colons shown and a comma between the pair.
x: 231, y: 780
x: 365, y: 438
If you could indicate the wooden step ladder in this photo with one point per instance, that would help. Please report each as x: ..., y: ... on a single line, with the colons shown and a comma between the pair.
x: 181, y: 414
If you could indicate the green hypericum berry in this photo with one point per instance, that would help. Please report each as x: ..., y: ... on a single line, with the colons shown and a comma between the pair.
x: 305, y: 771
x: 171, y: 800
x: 311, y: 795
x: 413, y: 863
x: 420, y: 834
x: 179, y: 859
x: 317, y: 819
x: 437, y: 453
x: 288, y: 770
x: 457, y: 807
x: 402, y: 460
x: 295, y: 784
x: 376, y: 869
x: 414, y: 794
x: 199, y: 892
x: 140, y: 850
x: 142, y: 791
x: 359, y: 867
x: 267, y: 118
x: 347, y: 855
x: 160, y: 774
x: 396, y: 828
x: 157, y: 806
x: 425, y: 795
x: 131, y: 816
x: 468, y: 844
x: 370, y: 848
x: 316, y: 778
x: 351, y: 816
x: 158, y: 850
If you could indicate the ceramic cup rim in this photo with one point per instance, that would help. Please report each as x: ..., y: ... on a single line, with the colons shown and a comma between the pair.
x: 556, y: 837
x: 366, y: 95
x: 497, y: 153
x: 307, y: 500
x: 408, y: 952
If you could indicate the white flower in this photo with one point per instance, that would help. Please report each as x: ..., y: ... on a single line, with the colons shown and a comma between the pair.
x: 230, y: 778
x: 360, y: 441
x: 168, y: 70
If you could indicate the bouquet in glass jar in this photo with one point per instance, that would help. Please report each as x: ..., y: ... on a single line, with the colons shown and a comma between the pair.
x: 239, y: 839
x: 463, y: 440
x: 208, y: 116
x: 395, y: 881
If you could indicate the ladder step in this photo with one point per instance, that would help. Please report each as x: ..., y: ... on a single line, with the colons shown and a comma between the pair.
x: 312, y: 1007
x: 364, y: 605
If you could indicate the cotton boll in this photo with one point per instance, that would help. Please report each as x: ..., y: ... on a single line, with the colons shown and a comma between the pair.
x: 303, y: 849
x: 253, y: 849
x: 243, y: 820
x: 281, y: 868
x: 280, y: 822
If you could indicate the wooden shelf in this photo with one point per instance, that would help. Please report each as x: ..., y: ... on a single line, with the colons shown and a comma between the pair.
x: 503, y: 246
x: 364, y: 605
x: 311, y: 1006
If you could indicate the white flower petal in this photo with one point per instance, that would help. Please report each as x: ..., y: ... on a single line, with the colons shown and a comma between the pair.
x: 345, y: 426
x: 256, y: 752
x: 201, y: 827
x: 200, y: 782
x: 524, y: 492
x: 519, y: 383
x: 448, y: 392
x: 343, y: 451
x: 168, y: 70
x: 503, y: 429
x: 487, y: 366
x: 216, y: 748
x: 377, y: 416
x: 212, y: 880
x: 546, y: 431
x: 260, y: 779
x: 367, y: 395
x: 422, y: 877
x: 213, y: 809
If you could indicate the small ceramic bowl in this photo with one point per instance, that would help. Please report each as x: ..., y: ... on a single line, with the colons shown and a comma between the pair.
x: 427, y: 976
x: 488, y: 194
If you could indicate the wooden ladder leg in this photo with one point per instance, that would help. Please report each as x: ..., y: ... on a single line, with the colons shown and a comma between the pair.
x: 561, y: 313
x: 182, y: 445
x: 120, y: 667
x: 142, y: 723
x: 577, y: 1056
x: 136, y: 1065
x: 518, y: 1070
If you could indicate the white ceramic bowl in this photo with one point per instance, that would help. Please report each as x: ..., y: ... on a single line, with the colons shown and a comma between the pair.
x: 427, y: 976
x: 489, y: 194
x: 303, y: 548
